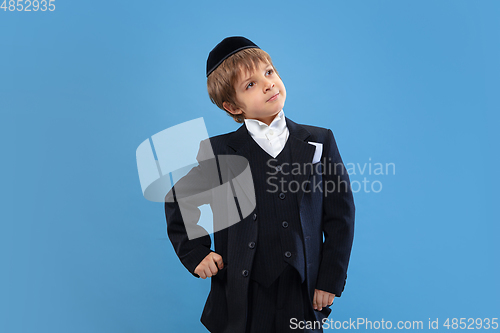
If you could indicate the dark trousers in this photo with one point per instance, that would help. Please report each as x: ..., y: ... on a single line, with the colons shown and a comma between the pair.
x: 271, y: 309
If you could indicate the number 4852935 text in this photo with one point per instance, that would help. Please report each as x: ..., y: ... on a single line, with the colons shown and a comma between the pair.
x: 28, y: 5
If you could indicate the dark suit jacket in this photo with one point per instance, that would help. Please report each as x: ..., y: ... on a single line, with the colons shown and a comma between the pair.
x: 322, y: 213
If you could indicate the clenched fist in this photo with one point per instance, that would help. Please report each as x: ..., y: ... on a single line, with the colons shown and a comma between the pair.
x: 321, y: 299
x: 209, y: 266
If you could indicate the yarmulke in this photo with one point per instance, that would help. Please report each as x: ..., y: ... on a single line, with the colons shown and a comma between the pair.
x: 224, y: 49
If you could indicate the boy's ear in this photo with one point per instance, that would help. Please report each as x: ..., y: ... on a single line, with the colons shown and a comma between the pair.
x: 231, y: 108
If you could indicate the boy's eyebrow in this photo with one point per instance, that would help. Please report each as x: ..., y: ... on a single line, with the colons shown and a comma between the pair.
x: 245, y: 79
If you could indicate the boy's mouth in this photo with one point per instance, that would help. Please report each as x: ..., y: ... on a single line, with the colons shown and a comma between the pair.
x: 274, y: 97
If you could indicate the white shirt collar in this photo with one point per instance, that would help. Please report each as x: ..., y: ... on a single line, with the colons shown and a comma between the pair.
x: 259, y: 129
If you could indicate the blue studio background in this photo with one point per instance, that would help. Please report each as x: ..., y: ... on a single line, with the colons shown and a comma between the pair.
x: 412, y: 83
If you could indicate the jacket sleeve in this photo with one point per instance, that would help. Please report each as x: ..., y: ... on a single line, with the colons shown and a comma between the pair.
x: 338, y: 221
x: 182, y: 212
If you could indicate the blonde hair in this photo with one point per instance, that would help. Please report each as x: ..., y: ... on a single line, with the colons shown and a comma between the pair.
x: 221, y: 82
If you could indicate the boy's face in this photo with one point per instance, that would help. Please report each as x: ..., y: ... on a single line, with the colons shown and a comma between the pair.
x: 261, y: 94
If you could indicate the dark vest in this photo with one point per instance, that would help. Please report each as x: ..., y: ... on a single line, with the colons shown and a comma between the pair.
x: 280, y: 240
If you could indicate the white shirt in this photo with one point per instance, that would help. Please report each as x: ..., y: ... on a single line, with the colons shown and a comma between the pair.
x: 271, y: 138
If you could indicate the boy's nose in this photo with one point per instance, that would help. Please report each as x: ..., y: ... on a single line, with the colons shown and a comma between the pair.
x: 269, y: 85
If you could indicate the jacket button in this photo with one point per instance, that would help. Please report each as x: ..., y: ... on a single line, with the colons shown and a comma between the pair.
x: 278, y: 168
x: 288, y: 254
x: 282, y: 195
x: 251, y: 245
x: 254, y: 216
x: 284, y: 224
x: 244, y: 273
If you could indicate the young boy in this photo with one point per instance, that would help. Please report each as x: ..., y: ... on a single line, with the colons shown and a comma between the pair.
x: 280, y: 267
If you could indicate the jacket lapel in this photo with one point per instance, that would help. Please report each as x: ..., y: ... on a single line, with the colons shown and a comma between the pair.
x: 302, y: 155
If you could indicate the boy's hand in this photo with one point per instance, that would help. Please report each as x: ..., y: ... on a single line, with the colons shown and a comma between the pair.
x: 321, y: 299
x: 208, y: 266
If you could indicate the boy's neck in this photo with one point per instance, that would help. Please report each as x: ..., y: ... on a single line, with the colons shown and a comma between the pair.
x: 267, y: 120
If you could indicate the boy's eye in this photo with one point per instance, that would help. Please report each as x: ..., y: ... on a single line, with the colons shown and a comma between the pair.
x: 250, y: 85
x: 269, y: 72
